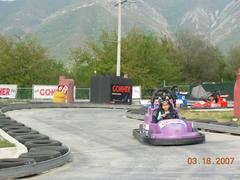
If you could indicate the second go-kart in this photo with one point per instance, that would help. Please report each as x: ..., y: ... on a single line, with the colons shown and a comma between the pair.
x: 216, y: 100
x: 168, y: 131
x: 174, y: 92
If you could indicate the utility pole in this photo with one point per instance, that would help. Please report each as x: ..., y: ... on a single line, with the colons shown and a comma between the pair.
x: 118, y: 67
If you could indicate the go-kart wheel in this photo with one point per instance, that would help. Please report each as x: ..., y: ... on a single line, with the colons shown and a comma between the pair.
x: 140, y: 136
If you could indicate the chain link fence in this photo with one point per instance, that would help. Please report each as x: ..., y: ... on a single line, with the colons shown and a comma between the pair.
x: 147, y: 93
x: 84, y: 93
x: 26, y: 93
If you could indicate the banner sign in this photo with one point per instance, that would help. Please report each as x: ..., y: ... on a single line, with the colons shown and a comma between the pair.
x: 121, y: 93
x: 44, y: 91
x: 171, y: 121
x: 136, y: 92
x: 8, y: 91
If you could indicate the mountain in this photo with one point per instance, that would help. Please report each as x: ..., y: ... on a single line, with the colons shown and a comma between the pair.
x: 64, y: 24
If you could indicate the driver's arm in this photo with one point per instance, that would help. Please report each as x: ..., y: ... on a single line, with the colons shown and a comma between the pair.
x: 160, y: 116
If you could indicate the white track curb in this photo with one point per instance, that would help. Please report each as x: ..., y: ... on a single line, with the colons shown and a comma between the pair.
x: 11, y: 152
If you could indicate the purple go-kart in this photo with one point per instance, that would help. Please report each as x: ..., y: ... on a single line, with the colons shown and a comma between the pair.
x: 166, y: 132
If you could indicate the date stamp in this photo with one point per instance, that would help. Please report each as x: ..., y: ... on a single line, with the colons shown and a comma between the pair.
x: 210, y: 160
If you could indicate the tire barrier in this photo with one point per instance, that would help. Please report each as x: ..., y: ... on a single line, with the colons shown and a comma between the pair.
x: 35, y: 168
x: 4, y: 117
x: 13, y: 162
x: 4, y: 124
x: 7, y: 120
x: 40, y: 143
x: 61, y: 149
x: 40, y: 156
x: 29, y: 137
x: 45, y: 154
x: 14, y: 127
x: 20, y: 132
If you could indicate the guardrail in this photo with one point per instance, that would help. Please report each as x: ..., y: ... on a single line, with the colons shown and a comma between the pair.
x: 217, y: 128
x: 37, y: 168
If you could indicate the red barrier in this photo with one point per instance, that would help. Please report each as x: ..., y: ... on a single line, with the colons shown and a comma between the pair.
x: 237, y: 95
x: 66, y: 86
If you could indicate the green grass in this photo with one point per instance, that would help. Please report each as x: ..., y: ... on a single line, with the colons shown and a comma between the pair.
x: 5, y: 143
x: 13, y: 101
x: 221, y: 116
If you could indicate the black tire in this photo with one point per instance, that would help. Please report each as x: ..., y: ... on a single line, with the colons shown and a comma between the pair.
x: 12, y: 162
x: 40, y: 156
x: 7, y: 120
x: 30, y: 137
x: 20, y: 132
x: 61, y: 149
x: 4, y: 117
x: 195, y: 129
x: 40, y: 143
x: 2, y: 125
x: 140, y: 137
x: 12, y: 127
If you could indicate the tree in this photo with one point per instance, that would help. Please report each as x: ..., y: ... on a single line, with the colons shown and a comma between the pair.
x: 150, y: 60
x: 25, y: 62
x: 83, y: 67
x: 147, y: 59
x: 233, y: 60
x: 202, y: 61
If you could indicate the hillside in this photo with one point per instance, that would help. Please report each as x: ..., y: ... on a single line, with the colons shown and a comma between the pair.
x: 62, y: 25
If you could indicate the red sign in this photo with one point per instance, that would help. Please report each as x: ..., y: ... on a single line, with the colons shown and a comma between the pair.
x: 121, y: 93
x: 43, y: 91
x: 4, y: 91
x: 121, y: 89
x: 8, y: 90
x: 47, y: 92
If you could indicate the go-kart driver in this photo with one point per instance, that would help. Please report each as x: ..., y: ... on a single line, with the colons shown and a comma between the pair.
x: 212, y: 99
x: 165, y: 111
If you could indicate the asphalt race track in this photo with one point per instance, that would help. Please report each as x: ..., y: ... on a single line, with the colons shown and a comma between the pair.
x: 103, y: 148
